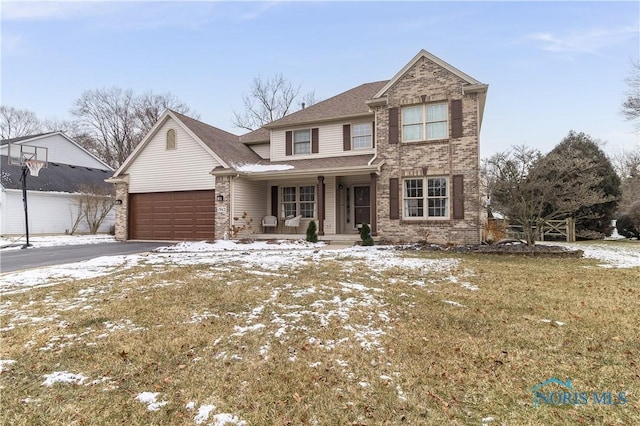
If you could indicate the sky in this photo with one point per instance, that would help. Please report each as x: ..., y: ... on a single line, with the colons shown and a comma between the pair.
x: 551, y: 67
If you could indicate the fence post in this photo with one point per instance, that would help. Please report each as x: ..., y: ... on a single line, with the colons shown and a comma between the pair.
x: 570, y: 227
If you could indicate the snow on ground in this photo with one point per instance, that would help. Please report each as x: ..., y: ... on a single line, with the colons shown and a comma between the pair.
x: 612, y: 255
x: 270, y: 320
x: 54, y: 240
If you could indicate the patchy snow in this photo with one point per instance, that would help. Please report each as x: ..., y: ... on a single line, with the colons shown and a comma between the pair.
x: 613, y: 255
x: 226, y: 419
x: 456, y: 304
x: 151, y: 399
x: 263, y: 167
x: 356, y: 306
x: 552, y: 322
x: 487, y: 420
x: 203, y: 413
x: 63, y: 377
x: 233, y: 245
x: 55, y: 240
x: 4, y: 363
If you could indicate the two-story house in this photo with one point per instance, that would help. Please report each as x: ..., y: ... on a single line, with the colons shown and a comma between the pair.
x: 401, y: 155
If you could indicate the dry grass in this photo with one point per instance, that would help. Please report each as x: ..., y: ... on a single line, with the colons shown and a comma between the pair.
x: 330, y: 342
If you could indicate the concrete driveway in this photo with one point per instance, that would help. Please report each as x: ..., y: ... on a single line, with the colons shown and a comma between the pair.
x: 16, y: 260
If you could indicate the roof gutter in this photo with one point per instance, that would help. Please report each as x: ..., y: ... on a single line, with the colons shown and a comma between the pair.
x: 118, y: 179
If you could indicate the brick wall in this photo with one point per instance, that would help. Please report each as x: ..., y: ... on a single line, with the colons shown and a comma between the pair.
x: 122, y: 211
x: 426, y: 82
x: 223, y: 209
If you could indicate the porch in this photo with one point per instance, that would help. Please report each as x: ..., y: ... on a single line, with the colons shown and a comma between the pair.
x: 342, y: 239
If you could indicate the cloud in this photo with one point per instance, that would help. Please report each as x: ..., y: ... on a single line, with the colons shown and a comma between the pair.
x: 49, y: 10
x: 593, y: 41
x: 135, y: 15
x: 256, y: 13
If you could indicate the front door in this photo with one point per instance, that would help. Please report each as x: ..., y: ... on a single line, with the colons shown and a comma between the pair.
x: 361, y: 207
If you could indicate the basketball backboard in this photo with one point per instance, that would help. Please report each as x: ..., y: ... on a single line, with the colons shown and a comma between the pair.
x: 18, y: 154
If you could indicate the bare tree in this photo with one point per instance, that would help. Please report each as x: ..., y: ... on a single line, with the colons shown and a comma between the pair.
x: 94, y: 204
x: 150, y: 106
x: 522, y: 189
x: 631, y: 105
x: 116, y: 120
x: 15, y: 123
x: 108, y: 116
x: 267, y: 101
x: 627, y: 165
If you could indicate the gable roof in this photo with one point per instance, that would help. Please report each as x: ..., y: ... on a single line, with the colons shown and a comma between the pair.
x: 225, y: 147
x: 424, y: 54
x: 24, y: 138
x: 351, y: 103
x: 256, y: 136
x: 57, y: 177
x: 29, y: 138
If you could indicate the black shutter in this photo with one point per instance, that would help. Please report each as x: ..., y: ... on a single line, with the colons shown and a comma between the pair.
x: 288, y: 143
x: 346, y: 137
x: 458, y: 197
x: 394, y: 199
x: 274, y: 201
x: 314, y: 141
x: 393, y: 125
x: 456, y: 118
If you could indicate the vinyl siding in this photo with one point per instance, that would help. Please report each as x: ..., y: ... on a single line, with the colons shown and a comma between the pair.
x: 60, y: 150
x: 49, y: 213
x: 185, y: 168
x: 330, y: 143
x: 263, y: 150
x: 330, y: 205
x: 250, y: 197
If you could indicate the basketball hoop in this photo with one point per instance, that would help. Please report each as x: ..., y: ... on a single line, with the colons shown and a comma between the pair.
x: 34, y: 166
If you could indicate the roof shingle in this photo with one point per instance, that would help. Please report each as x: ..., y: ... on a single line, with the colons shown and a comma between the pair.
x: 349, y: 103
x: 225, y: 145
x: 56, y: 177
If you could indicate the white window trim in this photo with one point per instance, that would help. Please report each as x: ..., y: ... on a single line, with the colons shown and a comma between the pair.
x: 425, y: 122
x: 298, y: 202
x: 425, y: 198
x: 175, y: 142
x: 293, y: 137
x: 353, y: 136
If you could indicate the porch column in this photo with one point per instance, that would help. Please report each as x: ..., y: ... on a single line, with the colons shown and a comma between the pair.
x: 373, y: 203
x: 320, y: 205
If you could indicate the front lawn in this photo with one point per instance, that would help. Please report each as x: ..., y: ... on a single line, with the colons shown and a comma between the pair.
x: 360, y: 336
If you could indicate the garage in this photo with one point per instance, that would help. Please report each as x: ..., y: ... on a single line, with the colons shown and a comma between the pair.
x: 182, y: 216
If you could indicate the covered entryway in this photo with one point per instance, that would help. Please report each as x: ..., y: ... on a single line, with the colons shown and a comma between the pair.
x: 183, y: 216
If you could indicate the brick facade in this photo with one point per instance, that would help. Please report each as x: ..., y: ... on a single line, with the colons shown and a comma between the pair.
x: 122, y: 217
x: 223, y: 208
x: 427, y: 82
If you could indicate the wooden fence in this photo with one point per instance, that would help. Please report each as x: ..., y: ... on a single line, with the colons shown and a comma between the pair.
x: 551, y: 229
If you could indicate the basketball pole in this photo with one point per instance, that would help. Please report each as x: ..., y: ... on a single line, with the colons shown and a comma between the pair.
x: 24, y: 200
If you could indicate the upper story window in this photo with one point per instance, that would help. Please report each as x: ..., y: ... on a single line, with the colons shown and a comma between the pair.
x: 302, y: 141
x: 426, y: 198
x: 171, y: 139
x: 425, y: 122
x: 361, y: 135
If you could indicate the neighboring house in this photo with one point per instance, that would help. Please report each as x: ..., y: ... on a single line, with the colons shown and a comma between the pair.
x: 52, y: 195
x: 401, y: 155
